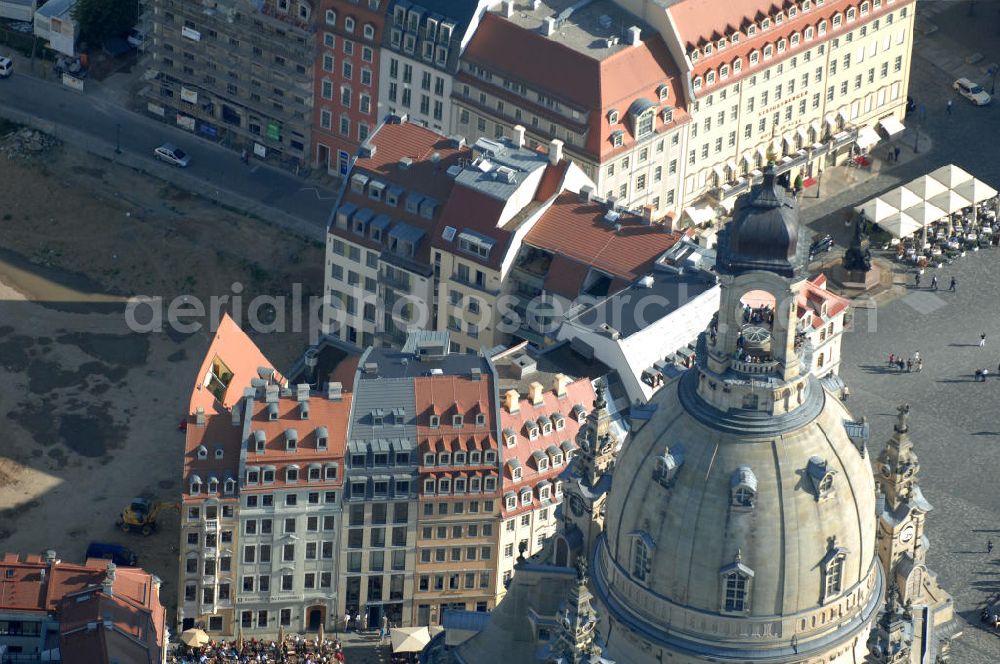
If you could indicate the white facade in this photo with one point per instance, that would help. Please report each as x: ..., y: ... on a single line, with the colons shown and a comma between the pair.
x: 54, y: 23
x: 18, y: 10
x: 421, y: 91
x: 534, y: 528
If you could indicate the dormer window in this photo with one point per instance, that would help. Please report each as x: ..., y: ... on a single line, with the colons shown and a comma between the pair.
x: 765, y: 24
x: 668, y: 465
x: 202, y: 452
x: 489, y: 457
x: 260, y: 440
x: 754, y: 57
x: 456, y: 421
x: 509, y: 437
x: 459, y: 458
x: 743, y: 489
x: 724, y: 71
x: 195, y: 485
x: 837, y: 20
x: 444, y: 486
x: 697, y: 83
x: 291, y: 440
x: 559, y: 421
x: 751, y: 30
x: 292, y: 474
x: 429, y: 459
x: 511, y: 501
x: 708, y: 49
x: 795, y: 39
x: 444, y: 459
x: 331, y: 17
x: 428, y: 486
x: 821, y: 28
x: 736, y: 581
x: 663, y: 92
x: 833, y: 571
x: 612, y: 117
x: 579, y: 413
x: 642, y: 554
x: 219, y: 452
x: 253, y: 475
x: 532, y: 431
x: 768, y: 51
x: 737, y: 65
x: 516, y: 473
x: 490, y: 484
x: 721, y: 44
x: 434, y: 421
x: 710, y: 78
x: 268, y: 475
x: 694, y: 55
x: 213, y: 485
x: 781, y: 46
x: 851, y: 14
x: 808, y: 32
x: 543, y: 493
x: 480, y: 419
x: 820, y: 477
x: 525, y: 496
x: 322, y: 438
x: 546, y: 428
x: 617, y: 138
x: 474, y: 458
x: 229, y: 487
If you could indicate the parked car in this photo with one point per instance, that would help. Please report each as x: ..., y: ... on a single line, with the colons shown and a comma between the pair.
x: 6, y: 67
x: 972, y: 92
x: 172, y: 155
x: 116, y: 553
x: 820, y: 245
x: 136, y: 38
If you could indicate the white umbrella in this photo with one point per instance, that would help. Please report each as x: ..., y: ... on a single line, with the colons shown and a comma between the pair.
x: 876, y: 210
x: 900, y: 198
x: 926, y: 187
x: 900, y: 225
x: 194, y: 637
x: 925, y: 213
x: 950, y: 176
x: 975, y: 190
x: 409, y: 639
x: 949, y: 201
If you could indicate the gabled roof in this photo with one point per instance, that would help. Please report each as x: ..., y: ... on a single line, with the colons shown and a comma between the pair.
x: 241, y: 357
x: 814, y: 291
x: 576, y: 231
x: 469, y: 209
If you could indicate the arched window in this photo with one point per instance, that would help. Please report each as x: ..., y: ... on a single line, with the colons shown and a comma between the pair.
x: 743, y: 489
x: 832, y: 566
x: 851, y: 13
x: 754, y: 57
x: 809, y: 32
x: 736, y: 582
x: 822, y: 27
x: 640, y: 559
x: 331, y: 17
x: 768, y: 51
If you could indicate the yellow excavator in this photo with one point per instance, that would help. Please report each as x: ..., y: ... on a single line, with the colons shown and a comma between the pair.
x: 141, y: 515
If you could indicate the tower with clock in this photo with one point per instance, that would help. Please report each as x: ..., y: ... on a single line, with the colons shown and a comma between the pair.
x: 902, y: 544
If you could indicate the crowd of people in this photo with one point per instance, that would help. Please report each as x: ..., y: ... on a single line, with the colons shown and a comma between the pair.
x: 292, y: 650
x: 908, y: 365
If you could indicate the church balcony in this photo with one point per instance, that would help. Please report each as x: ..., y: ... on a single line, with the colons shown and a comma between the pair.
x: 753, y: 366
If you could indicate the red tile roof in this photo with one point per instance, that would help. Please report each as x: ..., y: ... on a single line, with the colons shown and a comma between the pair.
x: 578, y: 393
x: 592, y: 86
x: 240, y: 355
x: 130, y: 621
x: 468, y: 208
x: 695, y: 26
x: 393, y: 142
x: 576, y: 231
x: 334, y: 415
x: 218, y: 432
x: 813, y: 295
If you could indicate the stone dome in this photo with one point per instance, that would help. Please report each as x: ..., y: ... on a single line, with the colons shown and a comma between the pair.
x: 764, y: 233
x: 740, y: 541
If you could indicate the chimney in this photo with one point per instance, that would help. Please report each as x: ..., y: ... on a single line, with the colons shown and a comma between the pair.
x: 334, y: 390
x: 50, y: 556
x: 555, y: 151
x: 647, y: 214
x: 108, y: 583
x: 634, y: 36
x: 519, y: 135
x: 508, y: 8
x: 237, y: 415
x: 535, y: 391
x: 302, y: 392
x: 549, y: 26
x: 512, y: 401
x: 559, y: 383
x: 586, y: 194
x: 199, y: 416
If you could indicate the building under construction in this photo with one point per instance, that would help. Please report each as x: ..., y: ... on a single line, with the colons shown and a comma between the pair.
x: 237, y: 71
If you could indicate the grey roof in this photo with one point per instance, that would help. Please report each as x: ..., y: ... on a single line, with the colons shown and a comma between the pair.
x: 500, y: 167
x: 459, y: 12
x: 397, y: 364
x: 633, y: 308
x: 404, y: 231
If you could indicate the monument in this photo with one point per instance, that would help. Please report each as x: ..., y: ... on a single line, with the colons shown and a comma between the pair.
x: 857, y: 271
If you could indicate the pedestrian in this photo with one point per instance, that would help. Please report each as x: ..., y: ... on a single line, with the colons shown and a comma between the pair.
x: 934, y: 283
x: 892, y: 360
x: 916, y: 280
x: 357, y: 621
x: 900, y: 364
x: 982, y: 340
x: 845, y: 393
x: 952, y: 285
x: 979, y: 375
x: 920, y: 365
x: 986, y: 372
x: 364, y: 622
x: 989, y: 546
x: 245, y: 156
x: 949, y: 107
x: 909, y: 366
x: 347, y: 621
x: 896, y: 153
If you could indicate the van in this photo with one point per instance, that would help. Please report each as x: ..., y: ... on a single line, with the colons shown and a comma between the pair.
x: 116, y: 553
x: 6, y: 67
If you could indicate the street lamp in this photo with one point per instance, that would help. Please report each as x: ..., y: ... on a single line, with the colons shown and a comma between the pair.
x: 118, y: 139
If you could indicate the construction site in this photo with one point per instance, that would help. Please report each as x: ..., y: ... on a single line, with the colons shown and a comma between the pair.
x: 93, y: 450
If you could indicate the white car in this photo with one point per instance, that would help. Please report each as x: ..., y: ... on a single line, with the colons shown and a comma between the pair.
x: 972, y: 92
x: 6, y: 67
x: 136, y: 38
x: 172, y: 155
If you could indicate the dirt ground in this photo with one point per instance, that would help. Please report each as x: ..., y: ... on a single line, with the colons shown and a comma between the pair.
x: 89, y: 409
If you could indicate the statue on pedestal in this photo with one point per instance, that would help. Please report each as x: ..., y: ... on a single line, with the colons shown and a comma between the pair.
x: 858, y: 257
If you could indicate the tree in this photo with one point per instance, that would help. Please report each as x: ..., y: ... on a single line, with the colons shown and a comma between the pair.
x: 102, y: 19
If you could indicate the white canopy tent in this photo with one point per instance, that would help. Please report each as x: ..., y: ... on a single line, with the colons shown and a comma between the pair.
x: 409, y: 639
x: 900, y: 225
x: 926, y: 187
x: 975, y: 191
x: 951, y: 176
x: 925, y: 214
x: 901, y: 198
x: 867, y: 137
x: 876, y: 210
x: 890, y: 125
x: 949, y: 201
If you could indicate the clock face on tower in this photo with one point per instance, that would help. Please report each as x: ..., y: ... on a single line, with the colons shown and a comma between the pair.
x: 907, y: 534
x: 576, y: 504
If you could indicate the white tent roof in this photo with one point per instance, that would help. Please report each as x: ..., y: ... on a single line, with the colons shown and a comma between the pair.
x: 891, y: 125
x: 949, y: 201
x: 867, y: 137
x: 926, y: 213
x: 975, y: 190
x: 926, y: 187
x: 876, y: 210
x: 950, y: 176
x: 409, y: 639
x: 900, y: 225
x: 901, y: 198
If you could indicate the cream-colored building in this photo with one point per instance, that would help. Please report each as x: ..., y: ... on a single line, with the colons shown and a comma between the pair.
x: 808, y: 80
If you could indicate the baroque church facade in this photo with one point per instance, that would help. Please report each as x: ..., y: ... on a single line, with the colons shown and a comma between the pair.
x: 740, y: 522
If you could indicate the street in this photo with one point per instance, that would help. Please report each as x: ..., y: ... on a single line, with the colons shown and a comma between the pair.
x: 94, y: 122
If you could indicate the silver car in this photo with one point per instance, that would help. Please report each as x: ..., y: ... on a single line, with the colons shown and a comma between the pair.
x: 172, y: 155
